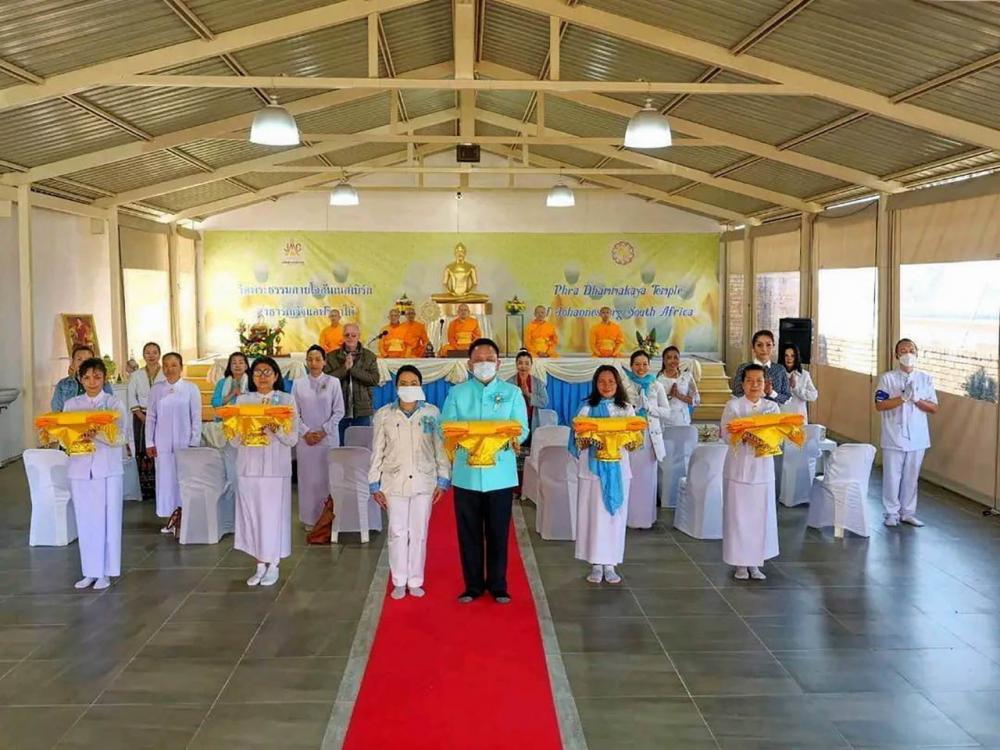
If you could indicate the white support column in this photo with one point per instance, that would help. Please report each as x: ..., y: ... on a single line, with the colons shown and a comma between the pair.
x: 174, y: 284
x: 119, y: 349
x: 554, y: 44
x: 24, y: 266
x: 373, y: 45
x: 540, y: 113
x: 199, y: 295
x: 888, y: 272
x: 807, y: 274
x: 749, y: 288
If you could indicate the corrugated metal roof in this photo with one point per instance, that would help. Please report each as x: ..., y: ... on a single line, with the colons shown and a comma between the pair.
x: 707, y: 159
x: 364, y: 152
x: 485, y: 128
x: 225, y: 15
x: 261, y: 180
x: 419, y: 35
x: 980, y: 160
x: 220, y: 153
x: 886, y: 46
x: 570, y: 117
x: 975, y: 98
x: 427, y: 101
x: 714, y: 196
x: 879, y: 146
x: 196, y: 196
x: 53, y: 36
x: 509, y: 103
x: 77, y: 189
x: 568, y: 154
x: 665, y: 182
x: 147, y: 169
x: 361, y: 114
x: 785, y: 178
x: 515, y: 38
x: 444, y: 128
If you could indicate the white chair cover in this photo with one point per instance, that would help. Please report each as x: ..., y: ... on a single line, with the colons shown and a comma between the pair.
x: 359, y: 436
x: 799, y: 468
x: 839, y: 498
x: 207, y: 496
x: 130, y: 480
x: 53, y: 522
x: 699, y: 507
x: 542, y: 437
x: 826, y: 447
x: 547, y: 418
x: 678, y: 443
x: 558, y: 470
x: 352, y: 502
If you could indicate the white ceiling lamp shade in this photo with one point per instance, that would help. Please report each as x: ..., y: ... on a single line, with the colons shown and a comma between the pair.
x: 560, y: 196
x: 274, y: 126
x: 648, y: 129
x: 344, y: 195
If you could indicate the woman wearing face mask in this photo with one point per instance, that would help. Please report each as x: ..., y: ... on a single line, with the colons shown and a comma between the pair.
x: 173, y: 422
x: 234, y: 383
x: 264, y: 486
x: 140, y: 383
x: 682, y: 392
x: 800, y: 384
x: 532, y: 388
x: 320, y: 401
x: 603, y: 490
x: 775, y: 377
x: 650, y: 401
x: 904, y: 398
x: 409, y: 473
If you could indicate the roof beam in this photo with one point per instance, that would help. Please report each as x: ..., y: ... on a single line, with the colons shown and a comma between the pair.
x: 464, y: 30
x: 470, y: 169
x: 108, y: 73
x: 199, y: 132
x: 677, y: 44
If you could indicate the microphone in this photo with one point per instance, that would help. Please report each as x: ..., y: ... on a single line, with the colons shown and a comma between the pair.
x: 376, y: 338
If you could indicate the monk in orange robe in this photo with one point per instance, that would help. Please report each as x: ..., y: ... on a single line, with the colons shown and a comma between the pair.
x: 540, y: 336
x: 392, y: 337
x: 332, y: 336
x: 462, y: 331
x: 415, y: 336
x: 606, y: 338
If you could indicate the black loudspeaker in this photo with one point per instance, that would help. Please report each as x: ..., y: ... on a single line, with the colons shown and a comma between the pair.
x: 798, y: 331
x: 467, y: 153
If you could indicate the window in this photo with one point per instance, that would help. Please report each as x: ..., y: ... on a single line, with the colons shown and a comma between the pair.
x: 147, y: 309
x: 952, y: 312
x: 777, y: 297
x: 847, y: 320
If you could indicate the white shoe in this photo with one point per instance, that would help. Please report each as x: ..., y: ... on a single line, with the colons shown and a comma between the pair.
x: 891, y: 521
x: 398, y: 592
x: 255, y: 579
x: 417, y: 591
x: 741, y: 574
x: 913, y: 521
x: 166, y: 530
x: 596, y: 574
x: 102, y: 583
x: 757, y: 574
x: 84, y: 583
x: 271, y: 576
x: 611, y: 575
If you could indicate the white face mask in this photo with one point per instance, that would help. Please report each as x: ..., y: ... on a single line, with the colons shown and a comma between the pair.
x: 908, y: 360
x: 410, y: 393
x: 484, y: 371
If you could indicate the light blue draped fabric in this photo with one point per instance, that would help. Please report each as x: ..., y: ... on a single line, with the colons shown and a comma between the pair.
x: 643, y: 384
x: 609, y: 472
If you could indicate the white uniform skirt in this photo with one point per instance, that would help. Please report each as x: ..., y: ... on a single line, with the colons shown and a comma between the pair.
x: 264, y: 517
x: 600, y: 537
x: 314, y: 479
x: 97, y: 505
x: 168, y: 490
x: 749, y: 523
x: 642, y: 486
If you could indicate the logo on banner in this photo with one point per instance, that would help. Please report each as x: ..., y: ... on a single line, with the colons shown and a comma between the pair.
x: 623, y: 252
x: 292, y: 253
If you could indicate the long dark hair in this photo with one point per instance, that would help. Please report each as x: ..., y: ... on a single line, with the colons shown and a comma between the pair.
x: 229, y: 364
x: 595, y: 397
x: 279, y: 381
x: 663, y: 358
x: 798, y: 356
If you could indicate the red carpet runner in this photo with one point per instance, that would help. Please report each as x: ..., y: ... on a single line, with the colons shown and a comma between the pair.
x: 445, y: 675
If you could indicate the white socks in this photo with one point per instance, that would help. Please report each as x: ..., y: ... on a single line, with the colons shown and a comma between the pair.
x: 398, y: 592
x: 596, y: 574
x: 743, y: 572
x: 102, y: 583
x: 84, y: 583
x: 757, y: 574
x: 255, y: 579
x: 271, y: 576
x: 417, y: 591
x: 611, y: 575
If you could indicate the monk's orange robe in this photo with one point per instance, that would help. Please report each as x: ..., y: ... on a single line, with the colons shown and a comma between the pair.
x: 540, y: 339
x: 606, y: 340
x: 393, y: 344
x: 331, y: 337
x: 461, y: 333
x: 416, y: 339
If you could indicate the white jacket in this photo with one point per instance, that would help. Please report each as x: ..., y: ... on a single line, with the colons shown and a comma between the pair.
x: 657, y: 407
x: 106, y: 460
x: 408, y: 452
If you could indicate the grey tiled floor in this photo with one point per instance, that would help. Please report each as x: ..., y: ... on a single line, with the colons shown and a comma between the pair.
x: 889, y: 642
x: 179, y: 653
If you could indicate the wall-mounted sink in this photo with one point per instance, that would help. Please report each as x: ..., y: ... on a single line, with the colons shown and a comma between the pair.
x: 7, y: 396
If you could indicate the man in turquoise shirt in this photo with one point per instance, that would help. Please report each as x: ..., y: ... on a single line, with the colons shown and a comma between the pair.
x: 483, y: 496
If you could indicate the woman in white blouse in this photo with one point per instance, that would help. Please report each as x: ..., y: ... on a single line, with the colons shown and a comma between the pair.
x: 682, y: 393
x: 140, y: 383
x: 799, y: 383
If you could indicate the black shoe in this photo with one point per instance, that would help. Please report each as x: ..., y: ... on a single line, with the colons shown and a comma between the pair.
x: 467, y: 596
x: 501, y: 597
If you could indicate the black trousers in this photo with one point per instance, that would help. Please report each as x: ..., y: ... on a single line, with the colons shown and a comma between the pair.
x: 483, y: 525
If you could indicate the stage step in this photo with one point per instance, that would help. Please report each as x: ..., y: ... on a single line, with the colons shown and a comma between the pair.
x: 197, y: 373
x: 714, y: 390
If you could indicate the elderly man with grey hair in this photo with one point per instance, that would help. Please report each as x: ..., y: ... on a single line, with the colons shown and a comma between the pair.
x: 357, y: 370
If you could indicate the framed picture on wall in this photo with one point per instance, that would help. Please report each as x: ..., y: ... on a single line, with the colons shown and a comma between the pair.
x: 80, y: 330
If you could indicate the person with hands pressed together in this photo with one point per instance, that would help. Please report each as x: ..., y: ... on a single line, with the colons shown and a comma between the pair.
x: 234, y: 382
x: 540, y: 337
x: 775, y: 377
x: 681, y: 390
x: 357, y: 370
x: 606, y: 337
x: 140, y: 383
x: 647, y: 396
x: 532, y: 388
x: 409, y: 473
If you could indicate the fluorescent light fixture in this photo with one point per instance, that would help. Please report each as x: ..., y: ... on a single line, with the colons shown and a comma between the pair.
x: 648, y: 129
x: 344, y: 195
x: 274, y: 126
x: 560, y: 196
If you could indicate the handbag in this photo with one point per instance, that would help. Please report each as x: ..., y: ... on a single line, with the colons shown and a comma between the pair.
x: 322, y: 531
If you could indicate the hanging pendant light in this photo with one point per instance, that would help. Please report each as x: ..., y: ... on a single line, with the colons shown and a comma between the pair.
x: 344, y: 195
x: 648, y: 129
x: 274, y: 126
x: 560, y: 196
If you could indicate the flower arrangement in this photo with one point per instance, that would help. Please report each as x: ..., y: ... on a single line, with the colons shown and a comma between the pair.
x: 514, y: 306
x: 112, y: 367
x: 648, y: 343
x: 708, y: 433
x: 404, y: 303
x: 260, y: 339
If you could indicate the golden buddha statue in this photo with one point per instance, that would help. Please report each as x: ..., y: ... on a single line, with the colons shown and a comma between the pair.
x: 460, y: 281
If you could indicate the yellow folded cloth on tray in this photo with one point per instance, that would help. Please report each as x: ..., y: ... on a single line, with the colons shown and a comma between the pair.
x: 250, y: 420
x: 482, y: 439
x: 766, y: 432
x: 70, y: 427
x: 611, y: 435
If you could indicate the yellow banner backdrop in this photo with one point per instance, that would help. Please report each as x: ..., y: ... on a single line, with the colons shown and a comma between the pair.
x: 667, y: 283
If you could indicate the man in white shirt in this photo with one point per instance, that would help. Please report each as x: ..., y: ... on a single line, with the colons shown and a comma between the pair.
x: 904, y: 397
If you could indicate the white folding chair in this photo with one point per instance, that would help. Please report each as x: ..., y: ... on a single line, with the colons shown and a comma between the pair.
x: 542, y: 437
x: 53, y: 522
x: 799, y: 468
x: 699, y: 507
x: 207, y: 500
x: 547, y: 418
x: 839, y: 497
x: 359, y: 436
x: 130, y: 479
x: 352, y: 502
x: 559, y: 479
x: 679, y: 443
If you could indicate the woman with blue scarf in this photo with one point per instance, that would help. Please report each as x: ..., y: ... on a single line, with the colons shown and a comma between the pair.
x: 650, y: 400
x: 602, y: 495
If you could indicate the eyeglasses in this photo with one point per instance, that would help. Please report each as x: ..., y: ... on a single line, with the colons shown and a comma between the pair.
x: 263, y: 373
